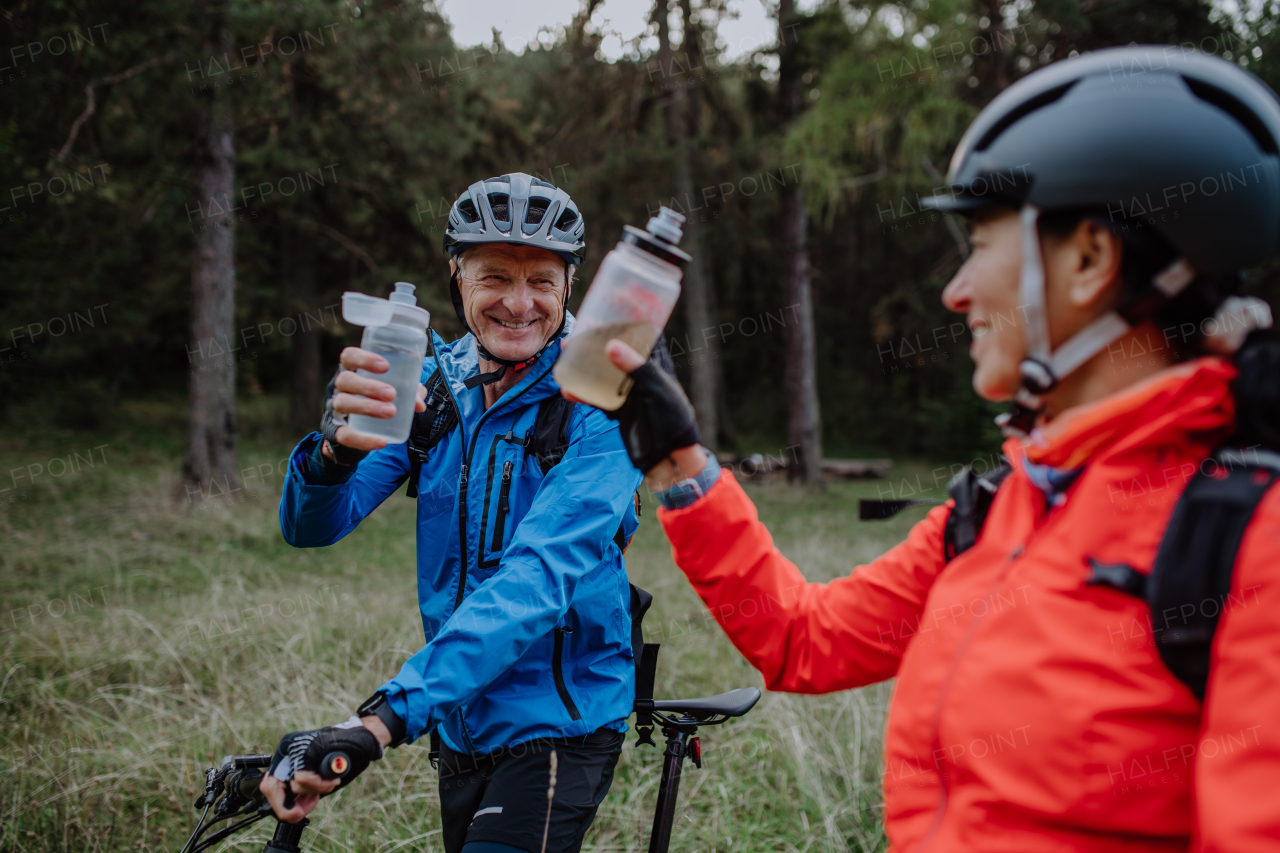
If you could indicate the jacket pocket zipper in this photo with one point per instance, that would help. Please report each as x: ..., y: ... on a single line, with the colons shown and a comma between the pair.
x: 557, y: 672
x: 504, y: 506
x: 462, y: 535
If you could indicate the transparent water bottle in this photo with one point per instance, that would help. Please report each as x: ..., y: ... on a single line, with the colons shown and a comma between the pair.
x: 631, y: 298
x: 396, y: 329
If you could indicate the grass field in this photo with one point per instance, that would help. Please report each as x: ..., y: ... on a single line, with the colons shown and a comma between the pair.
x: 145, y: 635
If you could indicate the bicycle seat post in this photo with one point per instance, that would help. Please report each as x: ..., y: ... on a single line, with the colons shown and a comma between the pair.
x: 669, y: 786
x: 287, y: 837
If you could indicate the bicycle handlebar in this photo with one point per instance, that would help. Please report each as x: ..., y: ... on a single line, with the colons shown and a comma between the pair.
x: 231, y: 788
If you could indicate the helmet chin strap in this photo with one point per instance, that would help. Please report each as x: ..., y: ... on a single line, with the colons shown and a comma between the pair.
x: 1042, y: 370
x: 455, y: 294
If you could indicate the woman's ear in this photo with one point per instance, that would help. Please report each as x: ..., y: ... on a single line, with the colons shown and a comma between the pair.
x: 1095, y: 255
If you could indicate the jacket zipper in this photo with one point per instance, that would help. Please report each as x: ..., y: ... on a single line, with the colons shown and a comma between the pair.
x: 484, y: 510
x: 462, y: 484
x: 557, y: 672
x: 499, y: 526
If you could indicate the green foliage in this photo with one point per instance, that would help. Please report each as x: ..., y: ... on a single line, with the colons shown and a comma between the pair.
x: 357, y: 126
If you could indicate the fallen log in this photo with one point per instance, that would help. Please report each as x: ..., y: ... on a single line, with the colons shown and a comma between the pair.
x: 851, y: 469
x: 756, y: 465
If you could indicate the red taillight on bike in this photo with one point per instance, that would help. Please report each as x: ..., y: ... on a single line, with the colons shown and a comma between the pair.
x: 695, y: 752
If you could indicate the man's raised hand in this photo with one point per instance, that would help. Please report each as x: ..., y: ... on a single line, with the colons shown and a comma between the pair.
x: 349, y: 393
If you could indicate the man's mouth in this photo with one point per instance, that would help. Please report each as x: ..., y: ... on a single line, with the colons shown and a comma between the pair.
x: 513, y: 324
x: 978, y: 327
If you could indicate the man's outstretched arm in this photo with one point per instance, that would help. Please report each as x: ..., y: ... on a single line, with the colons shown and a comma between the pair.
x: 565, y: 535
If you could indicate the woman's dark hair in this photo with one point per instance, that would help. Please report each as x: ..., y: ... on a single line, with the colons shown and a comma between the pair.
x: 1257, y: 388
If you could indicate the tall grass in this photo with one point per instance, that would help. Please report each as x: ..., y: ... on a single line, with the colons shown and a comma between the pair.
x: 146, y: 635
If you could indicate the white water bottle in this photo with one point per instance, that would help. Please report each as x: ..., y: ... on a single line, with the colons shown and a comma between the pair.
x: 396, y: 329
x: 631, y: 298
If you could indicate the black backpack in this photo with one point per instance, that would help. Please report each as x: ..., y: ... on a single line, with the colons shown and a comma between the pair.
x: 1191, y: 578
x: 548, y: 442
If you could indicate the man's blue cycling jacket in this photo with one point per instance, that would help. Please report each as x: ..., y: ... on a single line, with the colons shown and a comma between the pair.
x: 540, y: 643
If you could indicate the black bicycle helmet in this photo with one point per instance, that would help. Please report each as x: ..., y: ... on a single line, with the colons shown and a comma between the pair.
x: 524, y: 211
x: 1181, y: 142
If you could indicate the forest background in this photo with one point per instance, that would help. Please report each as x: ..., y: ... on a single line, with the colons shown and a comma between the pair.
x: 186, y: 190
x: 280, y: 153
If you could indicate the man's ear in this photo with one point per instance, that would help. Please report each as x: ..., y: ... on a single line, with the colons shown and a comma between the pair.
x: 1098, y: 254
x: 453, y: 266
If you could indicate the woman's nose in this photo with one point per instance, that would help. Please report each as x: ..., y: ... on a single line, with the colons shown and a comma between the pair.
x: 958, y: 294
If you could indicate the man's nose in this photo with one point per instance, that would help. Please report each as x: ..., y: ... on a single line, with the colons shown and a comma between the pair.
x: 518, y: 299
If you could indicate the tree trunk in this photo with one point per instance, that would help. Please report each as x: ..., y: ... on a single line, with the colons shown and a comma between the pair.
x: 699, y: 315
x: 996, y: 35
x: 209, y: 467
x: 804, y: 420
x: 300, y: 272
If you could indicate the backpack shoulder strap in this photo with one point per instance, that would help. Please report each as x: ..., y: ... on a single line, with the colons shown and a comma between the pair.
x: 1191, y: 578
x: 551, y: 431
x: 646, y: 658
x: 973, y: 494
x: 429, y: 427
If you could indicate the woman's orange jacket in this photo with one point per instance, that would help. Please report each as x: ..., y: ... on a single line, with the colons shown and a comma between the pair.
x: 1032, y: 712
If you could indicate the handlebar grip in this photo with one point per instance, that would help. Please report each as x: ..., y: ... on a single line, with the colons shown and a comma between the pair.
x: 336, y: 765
x: 247, y: 785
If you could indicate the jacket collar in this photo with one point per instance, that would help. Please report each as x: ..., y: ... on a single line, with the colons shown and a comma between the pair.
x: 460, y: 361
x: 1189, y: 404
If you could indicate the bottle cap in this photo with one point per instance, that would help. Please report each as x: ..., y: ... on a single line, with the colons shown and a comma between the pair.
x: 667, y: 225
x: 404, y: 294
x: 401, y: 306
x: 659, y: 237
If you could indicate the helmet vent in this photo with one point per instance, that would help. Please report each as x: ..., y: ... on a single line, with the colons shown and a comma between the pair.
x: 537, y: 210
x: 1029, y: 106
x: 501, y: 210
x: 468, y: 210
x: 566, y: 220
x: 1232, y: 106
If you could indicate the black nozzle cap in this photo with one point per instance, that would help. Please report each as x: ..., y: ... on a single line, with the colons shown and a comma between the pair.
x: 654, y: 245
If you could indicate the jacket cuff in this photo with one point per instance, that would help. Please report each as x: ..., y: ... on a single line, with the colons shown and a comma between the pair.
x: 691, y: 489
x: 316, y: 470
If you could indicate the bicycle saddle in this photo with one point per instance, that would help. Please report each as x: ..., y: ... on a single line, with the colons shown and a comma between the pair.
x: 735, y: 703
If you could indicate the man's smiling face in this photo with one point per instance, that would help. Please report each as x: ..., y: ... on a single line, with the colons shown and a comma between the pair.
x: 513, y: 296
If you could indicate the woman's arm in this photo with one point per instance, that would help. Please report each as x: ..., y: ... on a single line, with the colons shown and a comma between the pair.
x: 803, y: 637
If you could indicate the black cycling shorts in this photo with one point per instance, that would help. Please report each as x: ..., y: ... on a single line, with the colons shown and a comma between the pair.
x: 502, y: 797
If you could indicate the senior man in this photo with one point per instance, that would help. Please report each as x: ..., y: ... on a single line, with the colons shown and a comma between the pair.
x: 521, y: 583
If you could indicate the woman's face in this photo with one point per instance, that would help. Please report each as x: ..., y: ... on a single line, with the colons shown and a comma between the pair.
x: 986, y: 290
x: 1081, y: 282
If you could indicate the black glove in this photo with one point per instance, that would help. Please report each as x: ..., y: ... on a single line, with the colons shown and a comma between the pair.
x: 657, y: 417
x: 337, y: 752
x: 329, y: 424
